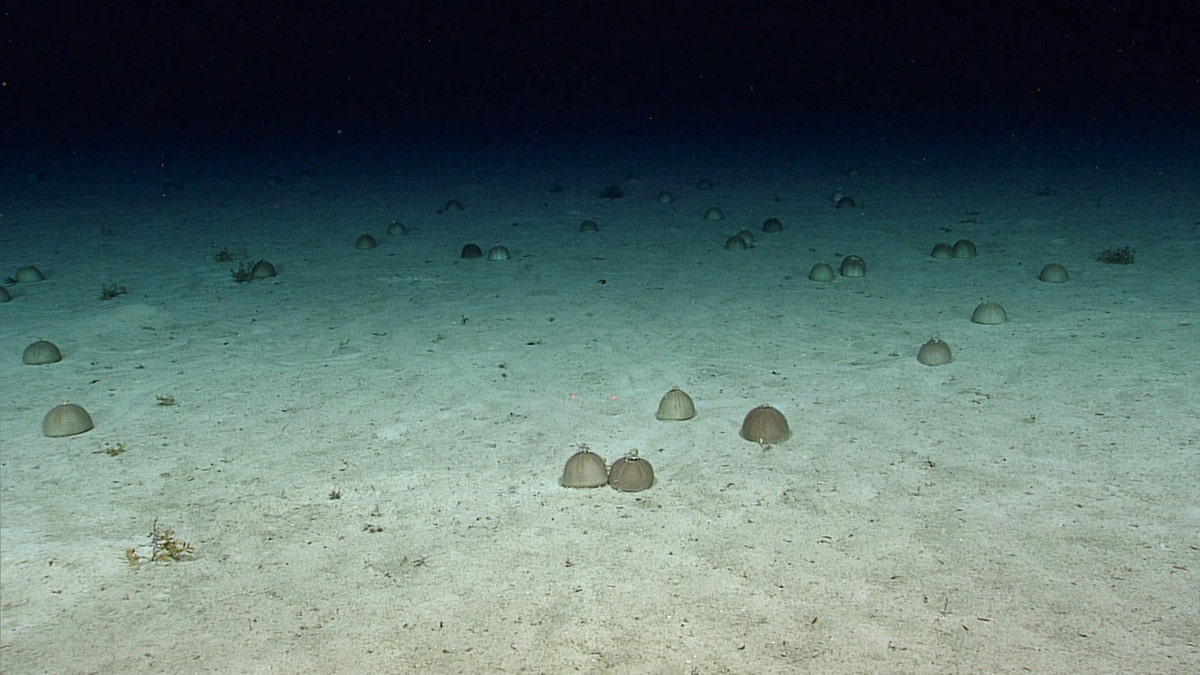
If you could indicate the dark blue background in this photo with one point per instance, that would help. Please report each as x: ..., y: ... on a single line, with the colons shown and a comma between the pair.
x: 132, y: 71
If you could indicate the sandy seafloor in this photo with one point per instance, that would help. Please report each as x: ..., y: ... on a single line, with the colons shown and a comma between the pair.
x: 1032, y: 506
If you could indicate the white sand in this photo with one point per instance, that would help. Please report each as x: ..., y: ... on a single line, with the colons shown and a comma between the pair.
x: 1030, y: 506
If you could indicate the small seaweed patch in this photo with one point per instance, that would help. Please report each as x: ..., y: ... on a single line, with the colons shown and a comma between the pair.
x: 613, y: 191
x: 225, y: 255
x: 112, y: 450
x: 242, y: 273
x: 164, y: 547
x: 110, y: 291
x: 1117, y: 256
